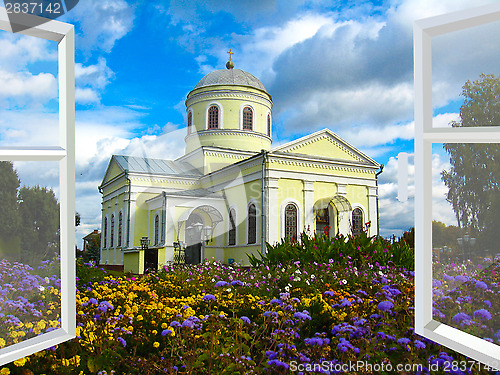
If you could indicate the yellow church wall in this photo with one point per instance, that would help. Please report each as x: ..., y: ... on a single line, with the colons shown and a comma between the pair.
x: 344, y: 172
x: 358, y: 194
x: 239, y: 254
x: 326, y: 148
x: 133, y: 262
x: 324, y: 190
x: 141, y: 219
x: 113, y: 171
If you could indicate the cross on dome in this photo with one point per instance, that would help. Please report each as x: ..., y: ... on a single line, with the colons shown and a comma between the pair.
x: 230, y: 63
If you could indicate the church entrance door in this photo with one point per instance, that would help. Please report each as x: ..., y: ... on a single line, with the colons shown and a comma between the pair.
x: 194, y: 225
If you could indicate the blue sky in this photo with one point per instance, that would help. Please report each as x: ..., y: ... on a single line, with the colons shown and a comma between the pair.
x: 347, y: 67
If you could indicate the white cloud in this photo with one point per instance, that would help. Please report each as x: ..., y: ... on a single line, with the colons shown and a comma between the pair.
x: 86, y: 95
x: 16, y: 50
x: 24, y: 85
x: 102, y: 23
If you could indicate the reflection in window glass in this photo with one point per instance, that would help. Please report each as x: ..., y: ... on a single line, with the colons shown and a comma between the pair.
x: 466, y: 209
x: 29, y: 250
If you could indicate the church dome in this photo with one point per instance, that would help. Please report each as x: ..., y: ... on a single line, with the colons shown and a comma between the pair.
x: 235, y: 77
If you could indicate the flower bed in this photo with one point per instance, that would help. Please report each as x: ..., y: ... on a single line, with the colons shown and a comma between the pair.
x: 217, y: 319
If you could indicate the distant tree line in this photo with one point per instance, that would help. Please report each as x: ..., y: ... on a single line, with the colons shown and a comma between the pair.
x: 29, y: 219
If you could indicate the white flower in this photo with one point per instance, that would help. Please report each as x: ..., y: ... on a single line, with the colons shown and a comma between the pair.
x: 47, y: 280
x: 344, y: 281
x: 312, y: 276
x: 297, y: 278
x: 228, y: 289
x: 41, y: 288
x: 307, y: 282
x: 298, y: 271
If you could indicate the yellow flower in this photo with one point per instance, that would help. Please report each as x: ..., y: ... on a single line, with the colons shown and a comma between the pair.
x: 164, y: 325
x: 139, y: 318
x: 4, y: 371
x: 20, y: 362
x: 156, y: 344
x: 154, y: 332
x: 2, y: 344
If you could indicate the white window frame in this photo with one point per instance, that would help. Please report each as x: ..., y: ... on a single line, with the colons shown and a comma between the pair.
x: 425, y: 135
x: 64, y: 35
x: 283, y: 205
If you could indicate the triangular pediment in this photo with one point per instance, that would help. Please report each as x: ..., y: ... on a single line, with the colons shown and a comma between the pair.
x: 114, y: 169
x: 325, y: 144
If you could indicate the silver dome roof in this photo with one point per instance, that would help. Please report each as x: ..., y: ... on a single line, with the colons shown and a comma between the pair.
x: 230, y: 77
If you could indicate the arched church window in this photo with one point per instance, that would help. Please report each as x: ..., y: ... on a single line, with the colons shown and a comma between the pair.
x: 269, y: 125
x: 291, y: 221
x: 189, y: 122
x: 231, y: 240
x: 213, y: 117
x: 112, y: 237
x: 252, y: 224
x: 105, y: 242
x: 357, y: 222
x: 247, y: 118
x: 120, y: 221
x: 157, y: 229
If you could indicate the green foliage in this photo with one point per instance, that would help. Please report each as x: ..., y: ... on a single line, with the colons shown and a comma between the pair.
x: 9, y: 183
x: 92, y: 252
x: 39, y: 212
x: 473, y: 179
x: 341, y: 250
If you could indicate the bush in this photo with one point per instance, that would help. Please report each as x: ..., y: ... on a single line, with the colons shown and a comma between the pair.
x: 342, y: 250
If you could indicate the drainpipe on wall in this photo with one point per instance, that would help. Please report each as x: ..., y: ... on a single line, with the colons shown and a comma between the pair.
x: 263, y: 203
x: 376, y: 184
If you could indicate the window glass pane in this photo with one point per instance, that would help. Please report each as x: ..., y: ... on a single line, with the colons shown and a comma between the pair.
x: 252, y: 224
x: 213, y: 117
x: 459, y: 57
x: 291, y: 222
x: 465, y: 213
x: 232, y: 228
x: 247, y: 118
x: 29, y: 94
x: 30, y: 301
x: 357, y: 222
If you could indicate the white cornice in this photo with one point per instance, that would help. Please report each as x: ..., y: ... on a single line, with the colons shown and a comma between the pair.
x: 228, y: 132
x: 233, y: 94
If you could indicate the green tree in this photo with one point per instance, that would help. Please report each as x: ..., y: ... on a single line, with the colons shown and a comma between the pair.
x: 40, y: 223
x: 473, y: 180
x: 9, y: 216
x: 93, y: 250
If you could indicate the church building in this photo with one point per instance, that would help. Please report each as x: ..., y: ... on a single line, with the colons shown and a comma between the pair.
x: 231, y: 192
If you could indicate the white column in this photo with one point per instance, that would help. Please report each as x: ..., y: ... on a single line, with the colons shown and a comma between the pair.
x: 343, y: 216
x: 273, y: 211
x: 133, y: 197
x: 372, y: 209
x: 308, y: 206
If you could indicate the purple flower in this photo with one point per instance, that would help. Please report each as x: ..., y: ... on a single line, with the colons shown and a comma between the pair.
x: 314, y: 341
x: 403, y: 341
x: 459, y: 317
x: 122, y: 341
x: 302, y: 315
x: 481, y: 285
x: 236, y: 283
x: 419, y: 344
x: 448, y: 278
x: 104, y: 306
x: 245, y: 319
x: 461, y: 278
x: 276, y: 301
x: 329, y: 293
x: 482, y: 314
x: 208, y: 297
x: 219, y: 284
x: 385, y: 306
x: 175, y: 324
x: 166, y: 332
x: 93, y: 301
x: 487, y: 303
x: 345, y: 302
